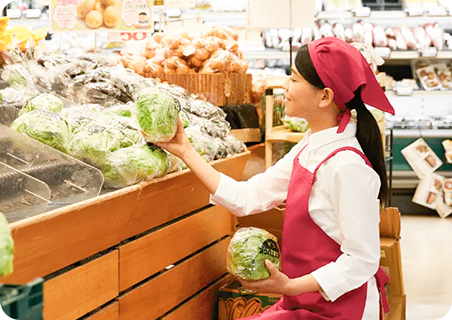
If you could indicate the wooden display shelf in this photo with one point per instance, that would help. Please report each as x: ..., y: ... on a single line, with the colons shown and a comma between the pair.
x: 142, y: 252
x: 53, y: 240
x: 283, y: 133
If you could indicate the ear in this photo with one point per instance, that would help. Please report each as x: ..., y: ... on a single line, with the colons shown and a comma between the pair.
x: 327, y: 98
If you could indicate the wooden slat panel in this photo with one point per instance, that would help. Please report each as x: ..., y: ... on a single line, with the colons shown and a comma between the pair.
x: 83, y: 289
x: 175, y: 196
x: 202, y: 306
x: 271, y: 220
x: 156, y: 297
x: 110, y: 312
x: 54, y: 240
x: 148, y: 255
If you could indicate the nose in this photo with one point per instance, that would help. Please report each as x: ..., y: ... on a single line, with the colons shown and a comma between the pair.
x: 286, y: 84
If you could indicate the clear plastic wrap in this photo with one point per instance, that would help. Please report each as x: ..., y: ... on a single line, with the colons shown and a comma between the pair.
x: 235, y: 145
x: 207, y: 110
x: 219, y: 62
x: 338, y: 30
x: 213, y: 129
x: 47, y: 127
x: 379, y: 37
x: 400, y: 40
x: 6, y: 247
x: 43, y: 101
x: 247, y: 252
x: 409, y: 38
x: 435, y: 33
x: 134, y: 164
x: 175, y: 164
x: 93, y: 144
x: 296, y: 124
x: 157, y: 115
x: 204, y: 145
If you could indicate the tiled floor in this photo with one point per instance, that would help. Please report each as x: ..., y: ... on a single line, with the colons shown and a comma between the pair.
x: 426, y: 246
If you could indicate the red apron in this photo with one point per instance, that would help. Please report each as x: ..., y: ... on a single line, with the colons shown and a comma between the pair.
x: 306, y: 247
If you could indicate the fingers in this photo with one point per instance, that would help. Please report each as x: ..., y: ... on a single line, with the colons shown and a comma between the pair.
x: 271, y: 267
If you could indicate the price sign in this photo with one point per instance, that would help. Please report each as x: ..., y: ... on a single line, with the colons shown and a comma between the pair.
x: 383, y: 52
x: 362, y: 12
x: 415, y: 11
x: 126, y: 36
x: 430, y: 52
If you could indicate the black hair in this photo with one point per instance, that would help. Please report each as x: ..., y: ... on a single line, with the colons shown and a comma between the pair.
x: 143, y: 14
x: 367, y: 132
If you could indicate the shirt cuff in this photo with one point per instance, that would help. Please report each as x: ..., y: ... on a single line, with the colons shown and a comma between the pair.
x: 223, y: 196
x: 332, y: 282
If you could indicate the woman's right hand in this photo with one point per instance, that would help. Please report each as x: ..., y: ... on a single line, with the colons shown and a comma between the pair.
x: 179, y: 145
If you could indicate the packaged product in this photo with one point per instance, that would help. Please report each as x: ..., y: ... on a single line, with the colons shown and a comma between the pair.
x: 428, y: 78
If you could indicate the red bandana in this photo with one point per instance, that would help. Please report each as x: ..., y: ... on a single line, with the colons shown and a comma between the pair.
x: 343, y: 69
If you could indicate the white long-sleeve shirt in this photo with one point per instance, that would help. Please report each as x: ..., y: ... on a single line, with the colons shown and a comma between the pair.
x: 344, y: 203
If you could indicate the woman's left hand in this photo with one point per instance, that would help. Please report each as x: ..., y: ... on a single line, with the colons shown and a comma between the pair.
x: 277, y: 283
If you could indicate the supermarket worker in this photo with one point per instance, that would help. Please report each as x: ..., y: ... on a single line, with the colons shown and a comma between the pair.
x: 333, y: 181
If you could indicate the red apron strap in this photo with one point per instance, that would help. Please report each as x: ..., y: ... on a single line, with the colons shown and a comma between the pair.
x: 298, y: 154
x: 332, y: 154
x: 382, y: 278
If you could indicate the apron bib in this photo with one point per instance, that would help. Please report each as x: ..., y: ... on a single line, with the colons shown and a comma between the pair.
x: 306, y: 247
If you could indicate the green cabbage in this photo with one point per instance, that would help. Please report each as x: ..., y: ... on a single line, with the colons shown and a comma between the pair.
x: 93, y: 144
x: 296, y: 124
x: 6, y: 247
x: 45, y: 126
x: 44, y: 101
x: 247, y: 252
x: 157, y: 115
x: 130, y: 165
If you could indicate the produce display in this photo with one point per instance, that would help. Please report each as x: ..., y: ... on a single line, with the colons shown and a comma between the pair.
x: 216, y: 50
x: 247, y: 252
x: 19, y: 36
x: 75, y: 109
x: 395, y: 38
x: 296, y: 124
x: 6, y: 247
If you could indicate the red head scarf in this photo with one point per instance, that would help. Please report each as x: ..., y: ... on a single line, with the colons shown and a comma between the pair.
x: 343, y: 69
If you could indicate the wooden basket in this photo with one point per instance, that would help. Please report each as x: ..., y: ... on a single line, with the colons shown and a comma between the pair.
x: 218, y: 88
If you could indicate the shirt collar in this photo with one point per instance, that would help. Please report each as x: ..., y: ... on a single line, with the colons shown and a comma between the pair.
x: 327, y: 136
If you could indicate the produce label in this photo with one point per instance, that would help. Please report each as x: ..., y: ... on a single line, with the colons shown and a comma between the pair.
x: 101, y: 15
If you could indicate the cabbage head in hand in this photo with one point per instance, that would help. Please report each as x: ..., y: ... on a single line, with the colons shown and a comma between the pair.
x: 157, y: 114
x: 247, y: 252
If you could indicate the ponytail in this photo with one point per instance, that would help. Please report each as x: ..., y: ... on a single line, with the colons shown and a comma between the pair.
x: 369, y: 137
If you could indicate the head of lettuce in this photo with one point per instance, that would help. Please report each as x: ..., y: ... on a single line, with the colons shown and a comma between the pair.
x: 247, y: 252
x: 157, y: 114
x: 6, y: 247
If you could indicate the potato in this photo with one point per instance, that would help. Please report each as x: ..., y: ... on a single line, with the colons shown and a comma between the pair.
x: 169, y: 53
x: 149, y: 53
x: 182, y: 69
x: 196, y: 62
x: 99, y: 7
x: 108, y: 3
x: 202, y: 54
x: 85, y: 7
x: 94, y: 19
x: 158, y: 37
x: 111, y: 16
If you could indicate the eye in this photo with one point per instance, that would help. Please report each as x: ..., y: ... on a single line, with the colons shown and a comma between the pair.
x: 292, y: 79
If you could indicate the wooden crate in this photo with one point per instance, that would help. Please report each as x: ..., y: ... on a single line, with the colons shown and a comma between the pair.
x: 218, y: 88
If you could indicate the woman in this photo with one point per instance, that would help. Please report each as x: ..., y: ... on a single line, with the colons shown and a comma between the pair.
x: 332, y: 182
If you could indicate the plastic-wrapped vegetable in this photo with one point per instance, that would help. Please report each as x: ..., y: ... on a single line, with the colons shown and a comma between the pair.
x: 235, y: 145
x: 122, y: 110
x: 6, y: 248
x: 126, y: 130
x: 157, y: 115
x: 134, y: 164
x: 93, y: 144
x: 204, y: 145
x: 207, y: 110
x: 44, y: 101
x: 47, y: 127
x: 247, y: 252
x: 81, y: 116
x: 175, y: 164
x: 184, y: 118
x: 296, y: 124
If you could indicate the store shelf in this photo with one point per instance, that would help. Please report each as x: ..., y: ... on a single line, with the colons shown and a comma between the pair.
x: 422, y: 93
x: 282, y: 133
x: 329, y: 15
